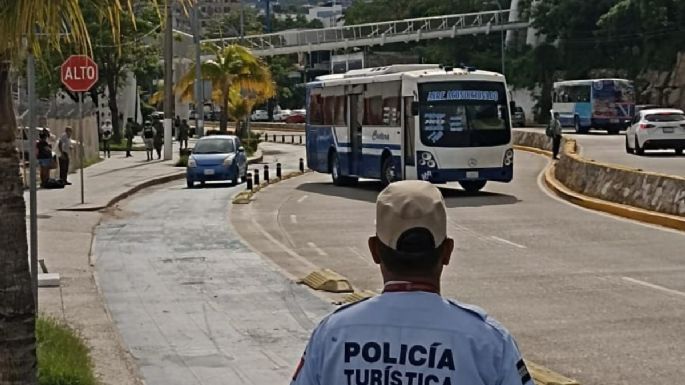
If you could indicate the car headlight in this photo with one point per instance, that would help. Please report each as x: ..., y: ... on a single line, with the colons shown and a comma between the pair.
x: 229, y: 160
x: 192, y: 163
x: 508, y: 157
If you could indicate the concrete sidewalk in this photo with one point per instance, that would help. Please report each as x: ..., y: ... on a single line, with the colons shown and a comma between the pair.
x: 64, y: 242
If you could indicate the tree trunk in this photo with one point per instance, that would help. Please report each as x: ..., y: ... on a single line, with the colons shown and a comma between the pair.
x: 114, y: 108
x: 17, y: 310
x: 223, y: 122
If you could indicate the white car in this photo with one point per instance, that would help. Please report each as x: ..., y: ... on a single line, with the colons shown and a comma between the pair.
x: 281, y: 115
x: 656, y: 129
x: 259, y: 116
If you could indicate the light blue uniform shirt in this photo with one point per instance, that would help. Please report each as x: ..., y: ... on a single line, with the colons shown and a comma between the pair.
x: 411, y: 338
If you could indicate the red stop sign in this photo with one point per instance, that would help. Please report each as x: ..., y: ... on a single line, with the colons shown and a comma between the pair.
x: 79, y: 73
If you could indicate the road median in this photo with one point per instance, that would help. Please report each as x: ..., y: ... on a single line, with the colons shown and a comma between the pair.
x: 635, y: 194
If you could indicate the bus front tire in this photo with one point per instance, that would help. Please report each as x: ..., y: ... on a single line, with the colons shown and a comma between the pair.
x: 578, y: 128
x: 388, y: 171
x: 472, y: 186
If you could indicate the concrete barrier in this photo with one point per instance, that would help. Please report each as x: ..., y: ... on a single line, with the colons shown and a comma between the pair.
x: 646, y: 190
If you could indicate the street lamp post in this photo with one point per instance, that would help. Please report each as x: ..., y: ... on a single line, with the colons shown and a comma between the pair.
x: 501, y: 25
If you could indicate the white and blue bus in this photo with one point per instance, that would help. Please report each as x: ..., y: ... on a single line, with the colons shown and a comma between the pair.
x: 607, y: 104
x: 438, y: 124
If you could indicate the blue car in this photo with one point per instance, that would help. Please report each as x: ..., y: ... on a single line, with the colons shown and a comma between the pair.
x: 216, y: 158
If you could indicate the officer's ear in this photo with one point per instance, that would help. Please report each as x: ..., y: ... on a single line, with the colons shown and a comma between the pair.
x: 374, y: 248
x: 446, y: 251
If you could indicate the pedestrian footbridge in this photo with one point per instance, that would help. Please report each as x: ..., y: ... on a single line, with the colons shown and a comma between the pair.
x: 361, y: 35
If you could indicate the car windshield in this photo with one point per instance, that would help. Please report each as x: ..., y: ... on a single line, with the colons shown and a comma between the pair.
x: 665, y: 117
x: 214, y: 146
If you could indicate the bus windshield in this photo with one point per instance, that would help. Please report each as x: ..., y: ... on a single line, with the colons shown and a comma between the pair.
x: 464, y: 114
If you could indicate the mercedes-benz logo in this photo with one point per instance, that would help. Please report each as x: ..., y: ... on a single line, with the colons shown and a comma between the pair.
x: 472, y: 162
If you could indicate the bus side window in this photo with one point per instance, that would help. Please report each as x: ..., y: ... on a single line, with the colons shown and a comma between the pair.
x: 409, y: 139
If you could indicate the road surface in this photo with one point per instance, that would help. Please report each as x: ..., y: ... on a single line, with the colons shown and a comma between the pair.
x: 591, y: 296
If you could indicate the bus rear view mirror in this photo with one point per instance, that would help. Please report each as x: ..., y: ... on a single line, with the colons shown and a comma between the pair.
x: 415, y: 108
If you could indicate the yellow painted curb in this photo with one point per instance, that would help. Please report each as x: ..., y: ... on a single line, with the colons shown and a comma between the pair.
x: 357, y: 296
x: 625, y: 211
x: 533, y: 149
x: 327, y: 280
x: 544, y: 376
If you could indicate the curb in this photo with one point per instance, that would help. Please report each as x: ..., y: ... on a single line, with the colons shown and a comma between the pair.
x: 246, y: 197
x: 625, y: 211
x: 533, y: 150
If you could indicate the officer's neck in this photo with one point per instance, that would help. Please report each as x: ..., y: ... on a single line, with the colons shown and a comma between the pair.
x: 423, y: 283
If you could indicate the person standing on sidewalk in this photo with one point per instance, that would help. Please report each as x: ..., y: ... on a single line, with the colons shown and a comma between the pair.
x: 106, y: 138
x: 129, y: 133
x: 44, y: 156
x: 64, y: 146
x: 158, y: 140
x: 554, y: 131
x: 148, y: 135
x: 411, y: 333
x: 183, y: 131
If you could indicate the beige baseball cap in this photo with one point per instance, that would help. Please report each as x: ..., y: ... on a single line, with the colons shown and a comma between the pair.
x: 408, y: 205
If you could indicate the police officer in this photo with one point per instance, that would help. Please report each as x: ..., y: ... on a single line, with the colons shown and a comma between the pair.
x: 410, y: 334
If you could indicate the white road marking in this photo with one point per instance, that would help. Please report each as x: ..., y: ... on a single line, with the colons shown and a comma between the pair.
x: 317, y: 249
x: 364, y: 258
x: 283, y: 247
x: 302, y: 198
x: 655, y: 287
x: 508, y: 242
x: 293, y: 219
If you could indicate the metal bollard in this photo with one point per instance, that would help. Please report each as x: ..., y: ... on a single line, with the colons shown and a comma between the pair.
x: 300, y: 139
x: 278, y: 170
x: 292, y: 139
x: 266, y: 136
x: 301, y: 165
x: 249, y: 181
x: 282, y: 138
x: 256, y: 177
x: 266, y: 173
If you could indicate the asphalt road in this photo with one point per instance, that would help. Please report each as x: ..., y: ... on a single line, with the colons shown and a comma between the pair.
x: 594, y: 297
x: 193, y: 304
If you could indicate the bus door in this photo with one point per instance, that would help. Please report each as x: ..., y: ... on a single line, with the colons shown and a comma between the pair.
x: 408, y: 139
x: 356, y: 111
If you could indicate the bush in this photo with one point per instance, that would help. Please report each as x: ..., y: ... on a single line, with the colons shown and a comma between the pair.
x: 252, y: 142
x: 62, y: 357
x: 182, y: 161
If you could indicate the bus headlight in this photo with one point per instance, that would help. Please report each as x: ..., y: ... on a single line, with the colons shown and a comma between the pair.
x: 508, y: 157
x: 426, y: 160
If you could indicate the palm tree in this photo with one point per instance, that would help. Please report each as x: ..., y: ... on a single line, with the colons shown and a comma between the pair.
x: 28, y: 25
x: 233, y: 68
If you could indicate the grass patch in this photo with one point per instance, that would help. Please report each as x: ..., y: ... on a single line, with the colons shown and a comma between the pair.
x: 182, y: 161
x: 91, y: 161
x: 62, y: 356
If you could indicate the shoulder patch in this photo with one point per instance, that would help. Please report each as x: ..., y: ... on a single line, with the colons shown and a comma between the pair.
x: 347, y: 306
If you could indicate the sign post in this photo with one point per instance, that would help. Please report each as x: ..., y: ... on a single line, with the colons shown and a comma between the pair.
x: 79, y: 73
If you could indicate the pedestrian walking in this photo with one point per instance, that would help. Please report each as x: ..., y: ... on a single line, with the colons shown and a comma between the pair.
x: 554, y: 132
x: 158, y: 140
x: 106, y: 130
x: 177, y: 125
x: 44, y: 156
x: 64, y: 147
x: 148, y: 135
x: 183, y: 131
x: 410, y: 334
x: 129, y: 133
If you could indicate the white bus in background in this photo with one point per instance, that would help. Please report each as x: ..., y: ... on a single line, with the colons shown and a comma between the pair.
x: 438, y: 124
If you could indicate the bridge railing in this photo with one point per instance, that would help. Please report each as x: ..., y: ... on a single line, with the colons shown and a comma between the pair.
x: 371, y: 33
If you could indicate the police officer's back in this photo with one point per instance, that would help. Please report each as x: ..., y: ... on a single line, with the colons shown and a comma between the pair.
x: 410, y: 334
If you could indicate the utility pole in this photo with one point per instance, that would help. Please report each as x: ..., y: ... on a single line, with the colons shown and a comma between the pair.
x: 199, y: 88
x: 168, y: 81
x: 500, y: 19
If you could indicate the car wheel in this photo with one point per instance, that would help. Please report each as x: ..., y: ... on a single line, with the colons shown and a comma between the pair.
x: 628, y: 149
x: 679, y: 151
x: 388, y: 171
x: 236, y: 176
x: 613, y: 131
x: 472, y: 186
x: 638, y: 150
x: 202, y: 184
x: 190, y: 183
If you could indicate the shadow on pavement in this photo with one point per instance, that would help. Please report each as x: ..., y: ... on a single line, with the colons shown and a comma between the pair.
x: 367, y: 191
x: 209, y: 185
